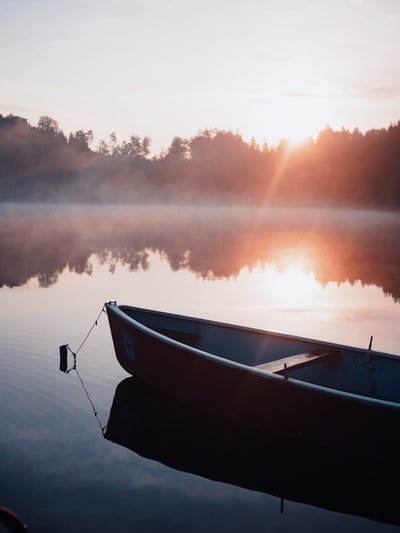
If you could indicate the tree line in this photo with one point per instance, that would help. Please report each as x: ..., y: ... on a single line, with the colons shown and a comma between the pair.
x: 338, y: 168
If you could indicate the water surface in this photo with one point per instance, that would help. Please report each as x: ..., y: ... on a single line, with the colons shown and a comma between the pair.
x: 319, y: 273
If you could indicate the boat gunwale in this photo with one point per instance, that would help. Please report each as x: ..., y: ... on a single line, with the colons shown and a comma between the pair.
x: 265, y: 374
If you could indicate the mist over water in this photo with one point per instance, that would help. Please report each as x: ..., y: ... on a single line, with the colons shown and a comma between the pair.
x: 214, y: 242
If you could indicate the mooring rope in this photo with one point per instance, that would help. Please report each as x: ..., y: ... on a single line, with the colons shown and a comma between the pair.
x: 89, y: 332
x: 103, y: 428
x: 63, y: 367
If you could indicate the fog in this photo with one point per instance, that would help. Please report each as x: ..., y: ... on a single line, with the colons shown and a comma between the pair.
x: 212, y: 242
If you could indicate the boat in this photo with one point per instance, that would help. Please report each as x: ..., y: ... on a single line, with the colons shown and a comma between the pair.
x: 315, y: 392
x: 156, y: 426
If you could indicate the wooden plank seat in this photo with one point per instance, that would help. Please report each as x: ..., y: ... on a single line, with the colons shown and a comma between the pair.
x: 280, y: 366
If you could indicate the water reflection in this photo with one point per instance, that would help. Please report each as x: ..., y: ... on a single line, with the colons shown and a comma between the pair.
x: 59, y: 474
x: 214, y: 243
x: 155, y: 426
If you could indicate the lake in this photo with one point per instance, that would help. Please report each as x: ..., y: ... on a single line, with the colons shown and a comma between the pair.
x: 318, y: 273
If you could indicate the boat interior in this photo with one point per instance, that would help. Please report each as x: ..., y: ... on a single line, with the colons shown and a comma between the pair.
x: 362, y: 372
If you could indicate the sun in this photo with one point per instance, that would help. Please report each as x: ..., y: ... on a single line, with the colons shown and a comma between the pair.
x: 300, y: 105
x: 301, y: 117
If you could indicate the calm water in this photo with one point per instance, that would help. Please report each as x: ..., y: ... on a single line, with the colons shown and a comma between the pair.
x: 324, y: 274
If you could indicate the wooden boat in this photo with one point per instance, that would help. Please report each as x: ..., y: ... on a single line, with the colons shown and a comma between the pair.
x: 154, y: 425
x: 309, y: 390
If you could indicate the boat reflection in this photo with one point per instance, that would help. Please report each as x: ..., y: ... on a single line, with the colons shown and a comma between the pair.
x: 157, y: 427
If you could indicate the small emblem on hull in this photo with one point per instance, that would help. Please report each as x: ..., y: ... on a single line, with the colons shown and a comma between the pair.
x: 127, y: 343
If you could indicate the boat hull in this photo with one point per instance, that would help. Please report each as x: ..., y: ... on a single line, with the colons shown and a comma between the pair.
x: 245, y: 395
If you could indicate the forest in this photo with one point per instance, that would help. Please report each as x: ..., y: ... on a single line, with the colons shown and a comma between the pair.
x: 338, y: 168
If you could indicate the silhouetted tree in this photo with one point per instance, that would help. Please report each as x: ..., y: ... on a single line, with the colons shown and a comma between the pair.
x: 103, y: 148
x: 178, y: 149
x: 48, y: 125
x: 134, y: 147
x: 81, y: 140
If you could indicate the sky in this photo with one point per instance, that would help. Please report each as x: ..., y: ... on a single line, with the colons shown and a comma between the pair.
x: 266, y: 69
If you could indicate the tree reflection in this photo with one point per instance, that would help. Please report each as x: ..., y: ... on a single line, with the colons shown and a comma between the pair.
x: 213, y: 243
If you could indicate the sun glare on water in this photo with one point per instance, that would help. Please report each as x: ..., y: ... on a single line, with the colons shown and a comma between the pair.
x: 292, y: 287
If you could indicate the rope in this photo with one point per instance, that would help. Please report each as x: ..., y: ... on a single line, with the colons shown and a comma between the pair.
x: 102, y: 428
x: 74, y: 354
x: 88, y: 333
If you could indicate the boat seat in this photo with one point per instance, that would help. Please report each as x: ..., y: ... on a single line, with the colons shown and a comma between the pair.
x: 280, y: 366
